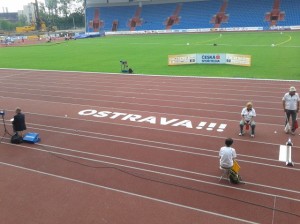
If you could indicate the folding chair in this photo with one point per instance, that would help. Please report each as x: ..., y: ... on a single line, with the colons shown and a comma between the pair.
x: 225, y: 173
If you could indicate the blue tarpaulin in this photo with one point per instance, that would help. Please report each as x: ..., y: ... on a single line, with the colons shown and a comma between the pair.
x: 88, y: 35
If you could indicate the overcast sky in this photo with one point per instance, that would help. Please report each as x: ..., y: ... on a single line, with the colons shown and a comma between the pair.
x: 15, y: 5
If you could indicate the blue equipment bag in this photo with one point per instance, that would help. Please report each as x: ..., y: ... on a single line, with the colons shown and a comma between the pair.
x: 31, y: 137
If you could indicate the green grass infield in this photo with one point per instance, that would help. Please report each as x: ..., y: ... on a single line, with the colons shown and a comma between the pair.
x: 275, y: 55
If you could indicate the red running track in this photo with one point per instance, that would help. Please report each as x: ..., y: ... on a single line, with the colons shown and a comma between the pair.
x: 143, y: 149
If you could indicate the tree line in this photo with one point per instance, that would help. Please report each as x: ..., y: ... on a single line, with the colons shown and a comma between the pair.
x: 62, y: 14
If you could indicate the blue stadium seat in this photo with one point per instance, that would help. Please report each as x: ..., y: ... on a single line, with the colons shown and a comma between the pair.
x: 197, y: 14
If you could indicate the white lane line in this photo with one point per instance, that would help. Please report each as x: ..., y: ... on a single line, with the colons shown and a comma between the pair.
x: 134, y: 110
x: 128, y: 97
x: 160, y: 90
x: 129, y: 141
x: 143, y: 144
x: 165, y: 174
x: 127, y: 193
x: 143, y: 75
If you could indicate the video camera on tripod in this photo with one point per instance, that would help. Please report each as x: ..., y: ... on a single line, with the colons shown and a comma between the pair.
x: 124, y: 67
x: 2, y: 113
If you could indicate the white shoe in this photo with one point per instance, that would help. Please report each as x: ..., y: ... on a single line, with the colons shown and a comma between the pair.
x: 252, y: 136
x: 240, y: 134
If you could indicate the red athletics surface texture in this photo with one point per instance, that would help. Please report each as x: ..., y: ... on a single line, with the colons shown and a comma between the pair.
x: 140, y: 149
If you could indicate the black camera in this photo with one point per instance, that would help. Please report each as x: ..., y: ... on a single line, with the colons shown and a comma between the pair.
x: 2, y: 112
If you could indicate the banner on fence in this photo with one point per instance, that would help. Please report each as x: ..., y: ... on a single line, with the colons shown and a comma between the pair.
x: 210, y: 58
x: 238, y: 59
x: 182, y: 59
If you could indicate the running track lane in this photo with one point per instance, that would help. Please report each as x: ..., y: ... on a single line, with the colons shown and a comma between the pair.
x: 158, y: 153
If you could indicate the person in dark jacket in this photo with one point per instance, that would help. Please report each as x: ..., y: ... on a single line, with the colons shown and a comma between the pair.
x: 19, y: 122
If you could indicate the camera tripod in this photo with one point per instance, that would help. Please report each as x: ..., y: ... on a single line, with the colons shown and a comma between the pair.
x: 5, y: 129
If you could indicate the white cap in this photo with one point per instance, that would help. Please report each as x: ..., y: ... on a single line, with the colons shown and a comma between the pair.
x: 292, y: 89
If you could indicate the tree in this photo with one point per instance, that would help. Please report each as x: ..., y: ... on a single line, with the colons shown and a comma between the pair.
x: 7, y: 26
x: 64, y: 8
x: 80, y: 6
x: 64, y: 14
x: 51, y: 5
x: 23, y: 20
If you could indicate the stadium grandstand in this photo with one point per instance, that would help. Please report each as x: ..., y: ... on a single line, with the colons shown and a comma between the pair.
x: 170, y: 15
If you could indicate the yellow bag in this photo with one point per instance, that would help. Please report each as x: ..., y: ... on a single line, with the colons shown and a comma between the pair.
x: 236, y: 167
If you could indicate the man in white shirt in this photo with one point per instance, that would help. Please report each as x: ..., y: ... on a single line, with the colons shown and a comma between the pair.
x: 227, y: 154
x: 248, y: 113
x: 290, y: 103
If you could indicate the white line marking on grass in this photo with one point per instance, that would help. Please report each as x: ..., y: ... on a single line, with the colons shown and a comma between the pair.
x: 288, y: 40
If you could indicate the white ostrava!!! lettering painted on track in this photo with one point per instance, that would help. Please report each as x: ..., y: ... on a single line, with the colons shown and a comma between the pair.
x: 154, y: 120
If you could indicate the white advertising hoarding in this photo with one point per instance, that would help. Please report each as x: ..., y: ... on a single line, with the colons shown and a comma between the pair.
x: 238, y: 59
x: 182, y: 59
x: 210, y: 58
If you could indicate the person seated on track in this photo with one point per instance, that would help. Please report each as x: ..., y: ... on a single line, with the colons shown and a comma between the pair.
x: 19, y: 122
x: 227, y: 154
x: 248, y: 113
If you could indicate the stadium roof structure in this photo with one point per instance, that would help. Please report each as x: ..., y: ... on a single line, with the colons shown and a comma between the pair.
x: 97, y: 3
